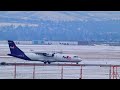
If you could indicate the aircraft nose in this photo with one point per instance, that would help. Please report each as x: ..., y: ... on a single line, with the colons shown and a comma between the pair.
x: 79, y: 59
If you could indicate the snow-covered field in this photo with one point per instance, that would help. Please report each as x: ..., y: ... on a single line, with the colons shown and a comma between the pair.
x: 89, y: 54
x: 85, y: 52
x: 54, y: 72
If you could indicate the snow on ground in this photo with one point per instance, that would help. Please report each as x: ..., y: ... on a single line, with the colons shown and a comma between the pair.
x: 85, y: 52
x: 89, y: 54
x: 54, y: 72
x: 17, y: 24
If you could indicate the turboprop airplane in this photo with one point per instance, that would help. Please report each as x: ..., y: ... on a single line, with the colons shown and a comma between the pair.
x: 41, y: 56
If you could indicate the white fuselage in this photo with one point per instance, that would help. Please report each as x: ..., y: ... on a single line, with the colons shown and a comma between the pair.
x: 56, y: 58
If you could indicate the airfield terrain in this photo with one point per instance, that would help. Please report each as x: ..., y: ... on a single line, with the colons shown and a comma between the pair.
x: 85, y: 52
x: 89, y: 54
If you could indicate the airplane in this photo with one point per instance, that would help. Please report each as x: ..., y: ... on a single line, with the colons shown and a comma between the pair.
x: 41, y: 56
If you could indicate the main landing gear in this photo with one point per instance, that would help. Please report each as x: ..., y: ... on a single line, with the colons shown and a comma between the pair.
x: 47, y: 62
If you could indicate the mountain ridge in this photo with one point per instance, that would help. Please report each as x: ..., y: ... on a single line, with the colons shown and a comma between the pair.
x: 60, y: 25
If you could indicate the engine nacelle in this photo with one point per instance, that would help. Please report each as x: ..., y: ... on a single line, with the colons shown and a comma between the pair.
x: 49, y: 54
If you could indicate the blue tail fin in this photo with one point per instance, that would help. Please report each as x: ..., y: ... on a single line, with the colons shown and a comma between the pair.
x: 15, y: 51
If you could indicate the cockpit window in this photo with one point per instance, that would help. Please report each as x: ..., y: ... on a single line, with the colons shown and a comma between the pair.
x: 75, y: 56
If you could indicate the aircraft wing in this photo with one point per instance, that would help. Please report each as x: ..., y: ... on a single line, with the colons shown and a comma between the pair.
x: 45, y: 54
x: 41, y: 52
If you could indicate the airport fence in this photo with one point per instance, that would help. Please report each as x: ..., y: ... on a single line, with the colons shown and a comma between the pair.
x: 58, y: 71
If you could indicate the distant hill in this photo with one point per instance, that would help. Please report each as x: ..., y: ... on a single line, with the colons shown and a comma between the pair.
x: 54, y: 25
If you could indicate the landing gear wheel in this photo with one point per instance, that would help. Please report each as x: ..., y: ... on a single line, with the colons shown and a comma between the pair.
x: 76, y: 62
x: 49, y: 62
x: 45, y: 62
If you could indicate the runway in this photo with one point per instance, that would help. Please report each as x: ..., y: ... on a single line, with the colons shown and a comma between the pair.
x: 104, y: 55
x: 85, y: 52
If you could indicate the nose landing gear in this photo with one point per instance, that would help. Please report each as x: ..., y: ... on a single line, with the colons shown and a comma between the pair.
x: 76, y: 62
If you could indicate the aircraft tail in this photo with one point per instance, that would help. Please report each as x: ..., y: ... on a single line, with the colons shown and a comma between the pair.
x: 15, y: 51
